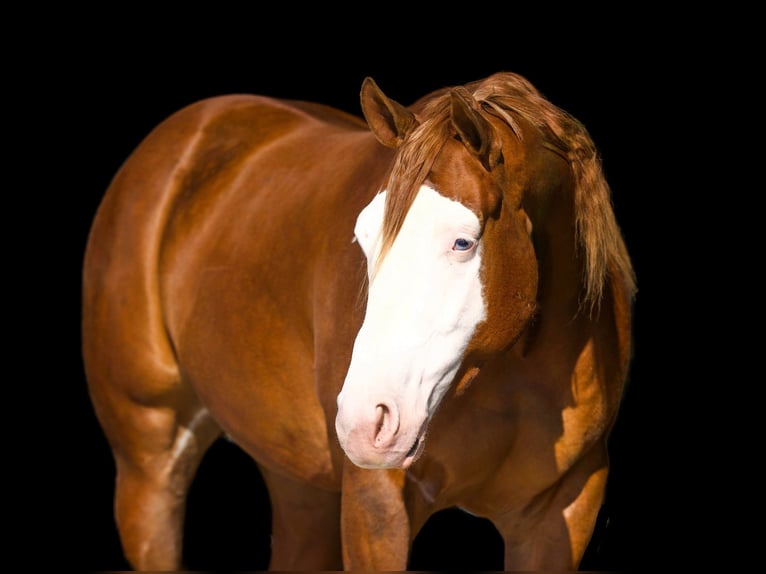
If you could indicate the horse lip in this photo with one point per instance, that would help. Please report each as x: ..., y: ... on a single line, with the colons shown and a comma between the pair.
x: 414, y: 446
x: 416, y: 449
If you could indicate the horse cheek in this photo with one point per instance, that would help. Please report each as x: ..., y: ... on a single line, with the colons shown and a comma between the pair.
x: 510, y: 280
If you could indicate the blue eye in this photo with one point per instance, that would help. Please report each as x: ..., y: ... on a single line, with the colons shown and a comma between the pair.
x: 462, y: 244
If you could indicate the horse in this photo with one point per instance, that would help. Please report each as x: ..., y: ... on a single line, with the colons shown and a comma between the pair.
x: 417, y: 308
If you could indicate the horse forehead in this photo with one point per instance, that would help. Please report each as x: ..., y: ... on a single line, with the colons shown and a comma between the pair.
x: 459, y: 176
x: 433, y: 205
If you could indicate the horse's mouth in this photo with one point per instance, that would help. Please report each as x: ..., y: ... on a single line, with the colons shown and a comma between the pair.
x: 416, y: 449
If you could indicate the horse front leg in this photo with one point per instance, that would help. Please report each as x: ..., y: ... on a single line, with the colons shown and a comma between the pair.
x: 375, y: 526
x: 305, y: 525
x: 553, y: 531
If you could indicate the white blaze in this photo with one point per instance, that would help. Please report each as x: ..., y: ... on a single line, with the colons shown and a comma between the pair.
x: 424, y: 303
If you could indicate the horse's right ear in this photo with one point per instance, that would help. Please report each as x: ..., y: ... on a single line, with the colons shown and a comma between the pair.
x: 389, y: 121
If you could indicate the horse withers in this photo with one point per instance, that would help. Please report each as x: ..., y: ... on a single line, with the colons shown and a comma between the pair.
x: 424, y: 310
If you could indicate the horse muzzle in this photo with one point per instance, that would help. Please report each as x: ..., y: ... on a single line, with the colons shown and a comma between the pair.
x: 378, y: 438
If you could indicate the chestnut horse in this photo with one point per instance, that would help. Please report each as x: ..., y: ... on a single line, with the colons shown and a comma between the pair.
x: 427, y: 309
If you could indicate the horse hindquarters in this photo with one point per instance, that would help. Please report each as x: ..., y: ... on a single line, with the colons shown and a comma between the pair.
x: 157, y: 442
x: 156, y: 427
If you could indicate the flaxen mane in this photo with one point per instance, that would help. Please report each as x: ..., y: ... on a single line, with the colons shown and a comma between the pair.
x: 506, y: 95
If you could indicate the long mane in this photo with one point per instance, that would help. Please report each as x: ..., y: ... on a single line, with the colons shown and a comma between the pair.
x: 506, y: 95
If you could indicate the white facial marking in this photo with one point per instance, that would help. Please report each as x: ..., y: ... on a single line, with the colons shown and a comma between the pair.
x: 424, y: 303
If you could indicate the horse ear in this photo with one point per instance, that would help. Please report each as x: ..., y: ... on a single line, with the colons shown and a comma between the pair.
x: 389, y: 121
x: 476, y: 133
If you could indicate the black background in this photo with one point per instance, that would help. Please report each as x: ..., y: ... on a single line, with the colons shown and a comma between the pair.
x: 91, y: 92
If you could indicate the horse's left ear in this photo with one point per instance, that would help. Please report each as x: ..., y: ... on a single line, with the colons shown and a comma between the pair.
x: 390, y: 121
x: 476, y: 133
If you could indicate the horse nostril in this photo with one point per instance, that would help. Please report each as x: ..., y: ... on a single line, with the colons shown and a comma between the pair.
x: 380, y: 418
x: 386, y: 425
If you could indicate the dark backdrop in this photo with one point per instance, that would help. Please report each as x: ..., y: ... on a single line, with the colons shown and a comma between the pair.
x: 99, y: 89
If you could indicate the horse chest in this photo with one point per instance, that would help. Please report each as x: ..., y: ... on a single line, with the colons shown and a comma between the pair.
x: 498, y: 445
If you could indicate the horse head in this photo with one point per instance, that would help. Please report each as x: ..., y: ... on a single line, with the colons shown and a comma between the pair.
x: 452, y: 271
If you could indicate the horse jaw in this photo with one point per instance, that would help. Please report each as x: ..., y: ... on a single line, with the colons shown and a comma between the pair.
x: 424, y: 303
